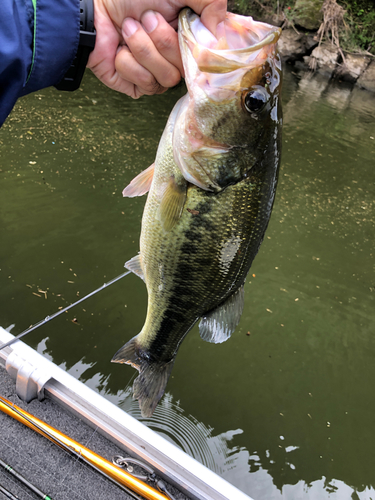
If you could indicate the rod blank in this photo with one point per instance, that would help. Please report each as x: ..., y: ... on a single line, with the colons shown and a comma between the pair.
x: 25, y: 481
x: 104, y: 466
x: 7, y: 493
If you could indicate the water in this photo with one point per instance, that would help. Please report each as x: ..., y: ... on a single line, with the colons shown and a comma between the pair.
x: 285, y: 411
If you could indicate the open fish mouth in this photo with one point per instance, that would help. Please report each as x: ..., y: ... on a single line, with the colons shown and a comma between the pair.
x: 238, y: 44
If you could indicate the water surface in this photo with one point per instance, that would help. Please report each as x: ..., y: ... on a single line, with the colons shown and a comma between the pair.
x: 285, y: 408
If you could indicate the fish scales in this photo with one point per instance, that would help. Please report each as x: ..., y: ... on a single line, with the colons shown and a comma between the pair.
x: 211, y: 192
x: 199, y: 270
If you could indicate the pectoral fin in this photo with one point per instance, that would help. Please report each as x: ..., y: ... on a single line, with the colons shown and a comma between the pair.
x: 172, y: 202
x: 141, y: 184
x: 218, y: 325
x: 135, y: 266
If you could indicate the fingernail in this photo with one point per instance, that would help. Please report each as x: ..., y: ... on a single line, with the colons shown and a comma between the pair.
x: 149, y: 21
x: 130, y: 26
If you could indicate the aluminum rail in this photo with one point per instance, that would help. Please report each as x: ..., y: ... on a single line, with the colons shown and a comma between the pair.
x: 36, y: 376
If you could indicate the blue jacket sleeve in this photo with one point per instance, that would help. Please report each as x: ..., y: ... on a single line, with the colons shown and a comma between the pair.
x: 38, y: 42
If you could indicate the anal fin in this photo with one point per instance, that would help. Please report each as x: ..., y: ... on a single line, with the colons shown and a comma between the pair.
x: 128, y: 354
x: 218, y: 325
x: 135, y: 266
x: 141, y: 184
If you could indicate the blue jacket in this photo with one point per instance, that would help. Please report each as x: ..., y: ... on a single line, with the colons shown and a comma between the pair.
x: 38, y: 42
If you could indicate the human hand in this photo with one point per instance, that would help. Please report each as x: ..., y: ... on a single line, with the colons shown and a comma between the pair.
x: 136, y: 50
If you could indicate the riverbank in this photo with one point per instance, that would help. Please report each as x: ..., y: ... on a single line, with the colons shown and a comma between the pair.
x: 304, y: 51
x: 314, y: 38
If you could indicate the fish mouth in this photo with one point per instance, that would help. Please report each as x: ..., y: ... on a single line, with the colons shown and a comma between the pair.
x: 240, y: 40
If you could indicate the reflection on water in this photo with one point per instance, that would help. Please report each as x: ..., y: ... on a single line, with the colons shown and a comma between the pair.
x: 190, y: 435
x: 285, y: 408
x: 235, y: 463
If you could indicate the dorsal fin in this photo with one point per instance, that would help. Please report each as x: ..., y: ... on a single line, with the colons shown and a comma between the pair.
x: 141, y: 184
x: 218, y: 325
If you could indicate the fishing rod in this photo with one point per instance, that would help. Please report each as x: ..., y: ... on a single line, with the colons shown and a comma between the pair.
x: 7, y: 493
x: 121, y: 477
x: 25, y: 481
x: 53, y: 316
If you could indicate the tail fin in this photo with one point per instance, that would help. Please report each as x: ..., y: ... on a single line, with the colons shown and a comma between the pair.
x: 150, y: 384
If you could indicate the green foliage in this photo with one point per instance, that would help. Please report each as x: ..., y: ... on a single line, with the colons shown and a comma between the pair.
x: 259, y: 8
x: 360, y: 20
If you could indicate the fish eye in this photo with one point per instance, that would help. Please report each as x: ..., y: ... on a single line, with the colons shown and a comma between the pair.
x: 255, y: 100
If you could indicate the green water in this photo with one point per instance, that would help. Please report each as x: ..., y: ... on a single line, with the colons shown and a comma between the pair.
x: 287, y: 411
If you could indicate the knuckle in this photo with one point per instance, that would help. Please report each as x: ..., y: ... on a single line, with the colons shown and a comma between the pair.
x: 151, y: 90
x: 220, y: 4
x: 156, y: 88
x: 146, y: 81
x: 171, y: 78
x: 166, y: 41
x: 142, y: 52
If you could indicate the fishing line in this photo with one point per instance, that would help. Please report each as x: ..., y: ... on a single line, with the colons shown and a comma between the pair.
x: 73, y: 460
x: 74, y: 494
x: 92, y: 435
x: 76, y: 457
x: 84, y: 454
x: 53, y: 316
x: 74, y: 448
x: 130, y: 381
x: 59, y: 482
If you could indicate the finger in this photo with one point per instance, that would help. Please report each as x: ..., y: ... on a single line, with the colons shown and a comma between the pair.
x: 212, y: 12
x: 163, y: 36
x: 131, y: 72
x: 106, y: 72
x: 147, y: 55
x: 102, y: 58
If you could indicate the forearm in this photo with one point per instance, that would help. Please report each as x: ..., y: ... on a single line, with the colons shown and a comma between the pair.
x: 37, y: 46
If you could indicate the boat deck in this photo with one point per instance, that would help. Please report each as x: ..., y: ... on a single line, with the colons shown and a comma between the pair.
x: 74, y: 409
x: 53, y: 470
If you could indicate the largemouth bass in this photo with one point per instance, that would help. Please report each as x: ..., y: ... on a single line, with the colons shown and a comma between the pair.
x: 211, y: 191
